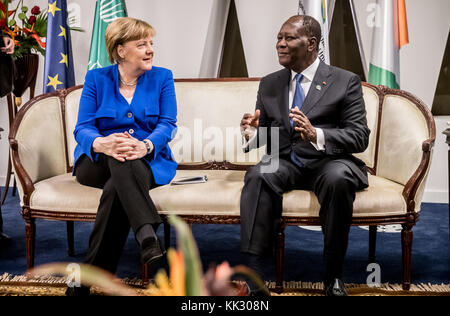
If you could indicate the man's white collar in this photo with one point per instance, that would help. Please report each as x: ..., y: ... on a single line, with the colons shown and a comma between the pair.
x: 309, y: 72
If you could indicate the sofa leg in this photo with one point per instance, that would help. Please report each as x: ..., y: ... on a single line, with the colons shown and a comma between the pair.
x: 372, y: 243
x: 145, y: 275
x: 166, y: 235
x: 70, y: 238
x: 30, y: 234
x: 407, y: 238
x: 279, y: 262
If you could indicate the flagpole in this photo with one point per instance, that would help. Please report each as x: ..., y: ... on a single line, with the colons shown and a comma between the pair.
x: 358, y: 38
x: 319, y: 11
x: 125, y: 8
x: 301, y: 8
x: 331, y: 6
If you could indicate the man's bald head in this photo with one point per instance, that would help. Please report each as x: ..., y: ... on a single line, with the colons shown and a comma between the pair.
x: 307, y: 25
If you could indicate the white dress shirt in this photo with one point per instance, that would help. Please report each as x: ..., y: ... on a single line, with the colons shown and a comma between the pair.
x: 308, y: 76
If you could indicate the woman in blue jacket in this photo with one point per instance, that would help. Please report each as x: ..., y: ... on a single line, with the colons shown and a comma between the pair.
x: 127, y: 117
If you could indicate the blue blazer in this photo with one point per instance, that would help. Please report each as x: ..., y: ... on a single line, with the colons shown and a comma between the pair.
x: 152, y: 114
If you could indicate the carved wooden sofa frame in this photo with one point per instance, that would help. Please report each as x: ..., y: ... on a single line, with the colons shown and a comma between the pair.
x: 32, y: 165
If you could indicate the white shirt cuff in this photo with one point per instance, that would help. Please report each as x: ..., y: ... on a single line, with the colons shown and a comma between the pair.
x: 320, y: 145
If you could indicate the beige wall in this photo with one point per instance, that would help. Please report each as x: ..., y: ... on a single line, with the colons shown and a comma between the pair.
x: 188, y: 41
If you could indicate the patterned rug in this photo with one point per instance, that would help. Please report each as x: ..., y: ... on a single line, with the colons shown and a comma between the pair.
x: 55, y: 286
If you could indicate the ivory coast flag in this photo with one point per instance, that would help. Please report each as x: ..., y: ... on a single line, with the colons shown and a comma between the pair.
x: 318, y: 10
x: 106, y: 11
x: 390, y: 34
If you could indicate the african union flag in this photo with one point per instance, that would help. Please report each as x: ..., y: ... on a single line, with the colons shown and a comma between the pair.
x: 58, y: 69
x: 106, y: 11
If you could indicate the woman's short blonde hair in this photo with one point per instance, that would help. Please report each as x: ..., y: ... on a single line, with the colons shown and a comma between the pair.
x: 124, y: 30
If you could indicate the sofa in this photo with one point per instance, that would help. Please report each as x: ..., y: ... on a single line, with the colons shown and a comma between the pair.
x: 208, y: 142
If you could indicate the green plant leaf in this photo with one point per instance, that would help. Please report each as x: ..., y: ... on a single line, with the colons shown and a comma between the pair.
x: 193, y: 266
x: 22, y: 16
x: 12, y: 22
x: 40, y: 27
x: 24, y: 9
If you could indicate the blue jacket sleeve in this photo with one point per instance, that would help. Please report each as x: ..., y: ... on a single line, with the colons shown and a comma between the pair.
x: 166, y: 126
x: 86, y: 131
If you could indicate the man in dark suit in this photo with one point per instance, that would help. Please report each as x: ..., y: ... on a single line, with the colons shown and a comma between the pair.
x: 320, y: 115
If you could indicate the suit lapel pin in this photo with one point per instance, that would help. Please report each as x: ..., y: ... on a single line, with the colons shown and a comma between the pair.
x: 318, y: 87
x: 324, y: 83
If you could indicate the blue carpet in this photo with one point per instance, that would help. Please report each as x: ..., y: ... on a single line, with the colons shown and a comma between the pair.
x: 217, y: 243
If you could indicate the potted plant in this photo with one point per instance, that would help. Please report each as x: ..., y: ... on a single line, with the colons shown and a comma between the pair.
x: 26, y: 27
x: 185, y: 279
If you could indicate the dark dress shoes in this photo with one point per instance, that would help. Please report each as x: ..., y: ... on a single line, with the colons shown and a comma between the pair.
x: 78, y: 291
x: 256, y: 291
x: 336, y: 288
x: 4, y: 239
x: 151, y: 250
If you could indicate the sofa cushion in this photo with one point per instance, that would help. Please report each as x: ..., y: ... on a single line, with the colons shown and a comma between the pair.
x: 383, y: 197
x: 64, y: 194
x: 219, y: 196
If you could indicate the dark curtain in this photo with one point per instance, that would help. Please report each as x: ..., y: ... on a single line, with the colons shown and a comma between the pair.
x: 344, y: 50
x: 233, y: 62
x: 441, y: 102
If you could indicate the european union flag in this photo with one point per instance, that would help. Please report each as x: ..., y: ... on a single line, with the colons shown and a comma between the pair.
x: 58, y: 69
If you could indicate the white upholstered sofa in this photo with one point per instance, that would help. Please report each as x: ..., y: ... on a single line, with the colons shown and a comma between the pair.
x: 208, y: 143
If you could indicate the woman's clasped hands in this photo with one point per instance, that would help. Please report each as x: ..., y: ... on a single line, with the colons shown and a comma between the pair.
x: 121, y: 146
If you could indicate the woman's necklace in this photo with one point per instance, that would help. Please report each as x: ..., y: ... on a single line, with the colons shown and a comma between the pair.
x: 127, y: 83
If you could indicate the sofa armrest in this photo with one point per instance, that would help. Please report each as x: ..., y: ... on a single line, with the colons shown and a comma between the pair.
x: 22, y: 175
x: 415, y: 186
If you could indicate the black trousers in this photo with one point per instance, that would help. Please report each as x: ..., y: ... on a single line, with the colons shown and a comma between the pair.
x: 125, y: 203
x: 261, y: 206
